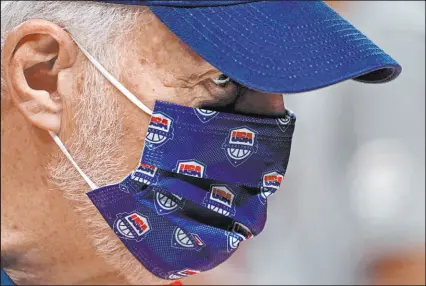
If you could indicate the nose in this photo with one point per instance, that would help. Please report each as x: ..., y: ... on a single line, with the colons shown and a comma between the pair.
x: 260, y: 103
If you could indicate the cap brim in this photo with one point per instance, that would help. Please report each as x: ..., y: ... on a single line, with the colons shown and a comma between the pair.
x: 280, y: 46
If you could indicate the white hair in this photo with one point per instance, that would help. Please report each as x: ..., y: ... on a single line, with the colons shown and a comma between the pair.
x: 97, y: 26
x: 103, y: 29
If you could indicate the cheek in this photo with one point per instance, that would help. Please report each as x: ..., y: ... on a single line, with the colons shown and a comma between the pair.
x: 134, y: 123
x: 143, y: 81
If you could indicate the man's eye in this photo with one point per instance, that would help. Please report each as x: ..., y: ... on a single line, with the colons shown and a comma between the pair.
x: 222, y: 80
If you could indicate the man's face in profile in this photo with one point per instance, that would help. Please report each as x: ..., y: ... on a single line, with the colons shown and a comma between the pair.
x: 51, y: 232
x: 101, y: 128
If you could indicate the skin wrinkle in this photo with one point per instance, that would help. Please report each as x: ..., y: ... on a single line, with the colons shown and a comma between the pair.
x: 65, y: 167
x: 174, y: 80
x: 69, y: 240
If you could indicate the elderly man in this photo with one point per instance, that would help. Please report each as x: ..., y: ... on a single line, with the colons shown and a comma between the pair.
x: 204, y: 83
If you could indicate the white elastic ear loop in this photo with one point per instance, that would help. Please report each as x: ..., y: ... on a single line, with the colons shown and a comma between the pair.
x: 120, y: 87
x: 114, y: 81
x: 68, y: 155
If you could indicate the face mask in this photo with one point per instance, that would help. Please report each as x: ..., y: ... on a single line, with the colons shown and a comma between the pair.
x: 200, y: 188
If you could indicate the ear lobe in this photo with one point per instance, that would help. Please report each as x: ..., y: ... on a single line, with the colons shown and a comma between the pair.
x: 34, y: 53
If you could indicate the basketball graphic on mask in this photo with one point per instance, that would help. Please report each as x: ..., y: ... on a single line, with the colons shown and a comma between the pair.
x: 240, y: 145
x: 165, y: 201
x: 184, y: 240
x: 220, y: 199
x: 160, y: 130
x: 205, y: 115
x: 233, y: 241
x: 206, y: 112
x: 144, y: 174
x: 183, y: 273
x: 284, y: 123
x: 123, y: 229
x: 271, y: 182
x: 132, y: 226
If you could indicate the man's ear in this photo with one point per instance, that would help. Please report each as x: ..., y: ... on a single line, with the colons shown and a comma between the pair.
x: 34, y: 53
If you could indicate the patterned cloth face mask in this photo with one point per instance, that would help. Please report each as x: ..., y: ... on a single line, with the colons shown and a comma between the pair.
x: 200, y: 188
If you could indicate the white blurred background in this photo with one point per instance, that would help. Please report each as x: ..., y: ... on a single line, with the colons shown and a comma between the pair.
x: 352, y: 207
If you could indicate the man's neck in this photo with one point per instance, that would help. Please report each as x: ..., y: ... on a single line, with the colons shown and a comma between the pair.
x: 42, y: 238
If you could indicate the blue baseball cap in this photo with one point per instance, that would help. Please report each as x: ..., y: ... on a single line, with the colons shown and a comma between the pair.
x: 275, y: 46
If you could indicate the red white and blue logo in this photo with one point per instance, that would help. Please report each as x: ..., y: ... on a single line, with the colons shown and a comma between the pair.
x: 271, y: 182
x: 205, y: 115
x: 183, y: 273
x: 166, y: 203
x: 240, y: 145
x: 191, y: 168
x: 160, y: 130
x: 284, y: 123
x: 241, y: 230
x: 133, y: 226
x: 144, y: 174
x: 188, y: 241
x: 221, y: 200
x: 233, y: 241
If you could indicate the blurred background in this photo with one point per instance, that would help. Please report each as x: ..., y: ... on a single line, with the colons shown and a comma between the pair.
x: 352, y: 207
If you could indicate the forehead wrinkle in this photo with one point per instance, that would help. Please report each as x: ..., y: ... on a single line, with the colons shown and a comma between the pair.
x: 193, y: 79
x: 172, y: 77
